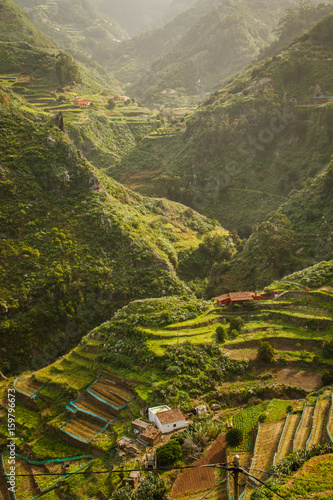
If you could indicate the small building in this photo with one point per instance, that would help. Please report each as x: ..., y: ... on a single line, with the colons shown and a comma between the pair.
x: 124, y: 442
x: 133, y: 478
x: 150, y: 437
x: 165, y: 419
x: 201, y: 409
x: 237, y: 298
x: 82, y: 102
x: 153, y: 412
x: 139, y: 426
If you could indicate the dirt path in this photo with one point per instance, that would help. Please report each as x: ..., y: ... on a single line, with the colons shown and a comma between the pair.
x: 201, y: 479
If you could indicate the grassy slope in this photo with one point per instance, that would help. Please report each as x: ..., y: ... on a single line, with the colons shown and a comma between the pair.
x: 12, y: 18
x: 111, y: 347
x: 220, y: 43
x: 33, y: 72
x: 139, y: 16
x: 279, y: 144
x: 76, y: 26
x: 75, y: 245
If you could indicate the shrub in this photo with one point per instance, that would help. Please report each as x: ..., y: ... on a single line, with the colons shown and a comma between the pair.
x: 152, y: 488
x: 265, y: 352
x: 328, y: 349
x: 262, y: 417
x: 234, y: 437
x: 169, y: 453
x: 221, y: 334
x: 327, y: 377
x: 236, y: 323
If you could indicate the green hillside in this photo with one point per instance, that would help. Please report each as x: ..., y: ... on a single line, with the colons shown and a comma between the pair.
x: 194, y: 51
x: 138, y: 16
x: 15, y: 26
x: 166, y: 351
x: 50, y: 80
x: 250, y: 145
x: 130, y: 60
x: 77, y: 25
x: 75, y: 244
x: 219, y: 44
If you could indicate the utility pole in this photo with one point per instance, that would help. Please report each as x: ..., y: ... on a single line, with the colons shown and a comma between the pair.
x: 236, y: 476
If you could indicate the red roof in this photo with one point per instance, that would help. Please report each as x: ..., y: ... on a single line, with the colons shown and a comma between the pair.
x: 237, y: 296
x: 151, y: 432
x: 82, y: 102
x: 170, y: 416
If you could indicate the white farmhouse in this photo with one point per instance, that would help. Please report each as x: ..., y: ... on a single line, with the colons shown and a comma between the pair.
x: 165, y: 419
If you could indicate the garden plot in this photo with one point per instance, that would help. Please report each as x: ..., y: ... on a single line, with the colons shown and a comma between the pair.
x: 304, y: 429
x: 201, y: 479
x: 28, y: 386
x: 46, y: 473
x: 286, y: 442
x: 26, y: 487
x: 84, y: 428
x: 320, y: 419
x: 330, y: 420
x: 268, y: 438
x: 93, y: 406
x: 107, y: 391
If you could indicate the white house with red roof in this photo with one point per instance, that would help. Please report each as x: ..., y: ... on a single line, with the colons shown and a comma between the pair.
x: 166, y: 419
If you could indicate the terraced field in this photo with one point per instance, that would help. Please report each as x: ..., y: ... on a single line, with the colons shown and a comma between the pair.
x: 193, y: 480
x: 106, y: 390
x: 320, y: 419
x: 25, y: 485
x: 330, y: 422
x: 268, y: 438
x: 304, y: 430
x: 286, y: 442
x: 28, y: 385
x: 92, y: 405
x: 83, y: 427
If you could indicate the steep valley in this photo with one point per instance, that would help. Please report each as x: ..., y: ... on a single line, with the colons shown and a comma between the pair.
x: 166, y: 272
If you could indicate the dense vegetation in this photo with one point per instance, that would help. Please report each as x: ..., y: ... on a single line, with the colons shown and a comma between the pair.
x: 197, y: 49
x: 75, y: 245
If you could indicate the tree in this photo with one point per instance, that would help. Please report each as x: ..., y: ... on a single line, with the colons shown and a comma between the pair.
x: 111, y: 104
x: 218, y: 245
x: 173, y: 370
x: 328, y: 348
x: 265, y: 352
x: 221, y: 334
x: 122, y: 493
x: 234, y: 437
x: 327, y: 377
x: 236, y: 323
x: 152, y: 488
x: 67, y: 70
x: 169, y: 453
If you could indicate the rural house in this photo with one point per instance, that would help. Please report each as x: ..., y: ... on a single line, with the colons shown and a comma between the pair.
x: 139, y: 426
x: 82, y: 102
x: 165, y: 419
x: 237, y: 298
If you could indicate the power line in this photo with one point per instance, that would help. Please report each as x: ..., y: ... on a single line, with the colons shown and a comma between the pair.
x: 291, y: 478
x: 210, y: 491
x: 264, y: 484
x: 162, y: 469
